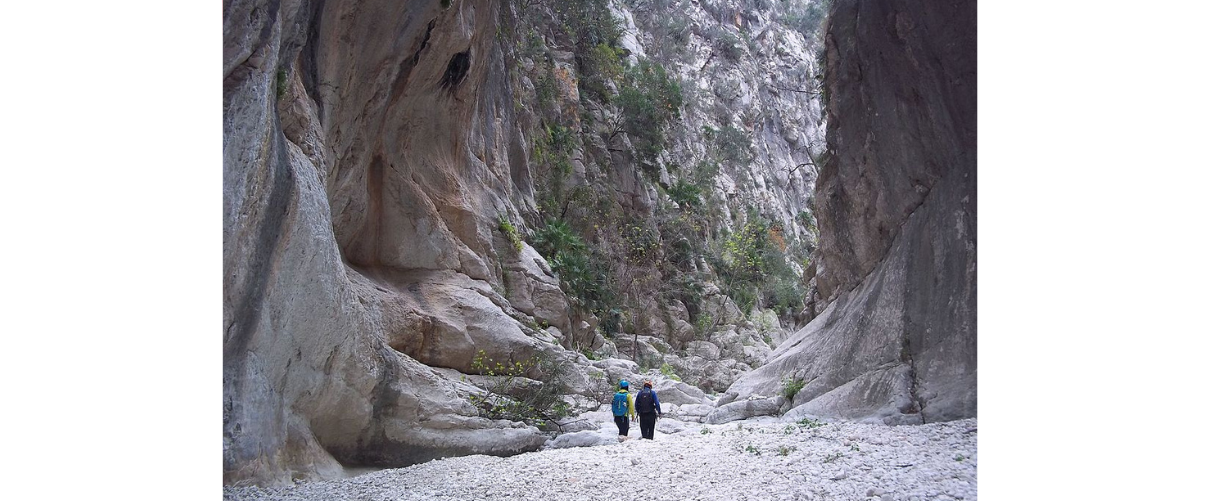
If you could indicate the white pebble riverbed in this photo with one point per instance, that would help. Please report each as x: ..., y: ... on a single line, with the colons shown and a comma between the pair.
x: 748, y: 460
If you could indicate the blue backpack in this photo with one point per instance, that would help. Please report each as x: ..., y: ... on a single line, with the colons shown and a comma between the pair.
x: 619, y: 404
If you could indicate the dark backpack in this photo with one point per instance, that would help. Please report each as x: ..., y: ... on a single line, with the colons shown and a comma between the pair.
x: 619, y: 404
x: 644, y: 401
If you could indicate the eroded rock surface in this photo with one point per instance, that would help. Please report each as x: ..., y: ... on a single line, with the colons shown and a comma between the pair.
x: 361, y: 186
x: 897, y: 214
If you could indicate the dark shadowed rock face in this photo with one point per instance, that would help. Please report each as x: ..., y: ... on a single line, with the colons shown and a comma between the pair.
x: 901, y: 110
x: 896, y: 339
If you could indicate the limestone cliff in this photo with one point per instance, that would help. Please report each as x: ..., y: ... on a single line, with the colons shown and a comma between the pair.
x: 391, y: 168
x: 365, y: 147
x: 895, y: 340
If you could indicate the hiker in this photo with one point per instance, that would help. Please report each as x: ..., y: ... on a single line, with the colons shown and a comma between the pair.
x: 622, y: 407
x: 646, y: 404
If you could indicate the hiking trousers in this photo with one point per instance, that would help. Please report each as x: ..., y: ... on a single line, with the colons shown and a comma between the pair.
x: 647, y: 422
x: 622, y: 423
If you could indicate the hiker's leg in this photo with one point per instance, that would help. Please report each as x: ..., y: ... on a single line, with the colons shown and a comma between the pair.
x: 652, y: 424
x: 622, y: 423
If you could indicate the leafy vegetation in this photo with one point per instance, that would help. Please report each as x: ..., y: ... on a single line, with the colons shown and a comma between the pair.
x: 729, y: 45
x: 511, y: 233
x: 809, y: 20
x: 593, y: 34
x: 613, y: 261
x: 808, y: 423
x: 510, y: 394
x: 791, y: 386
x: 648, y: 101
x: 668, y: 371
x: 735, y: 146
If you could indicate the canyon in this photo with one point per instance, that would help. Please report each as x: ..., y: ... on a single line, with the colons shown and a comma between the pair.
x: 451, y: 228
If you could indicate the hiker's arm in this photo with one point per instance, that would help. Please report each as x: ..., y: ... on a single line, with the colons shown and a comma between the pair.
x: 657, y: 402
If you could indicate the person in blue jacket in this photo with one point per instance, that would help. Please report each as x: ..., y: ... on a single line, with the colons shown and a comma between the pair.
x: 648, y: 408
x: 622, y: 407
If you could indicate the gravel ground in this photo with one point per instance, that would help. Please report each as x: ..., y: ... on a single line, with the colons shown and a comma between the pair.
x: 755, y: 459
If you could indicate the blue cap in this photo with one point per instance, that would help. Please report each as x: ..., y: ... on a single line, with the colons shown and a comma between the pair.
x: 623, y: 384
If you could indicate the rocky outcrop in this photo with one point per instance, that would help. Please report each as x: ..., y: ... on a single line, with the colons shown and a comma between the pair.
x: 361, y: 189
x: 896, y: 207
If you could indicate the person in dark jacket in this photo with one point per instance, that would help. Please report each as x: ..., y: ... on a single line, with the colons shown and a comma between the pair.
x: 648, y: 408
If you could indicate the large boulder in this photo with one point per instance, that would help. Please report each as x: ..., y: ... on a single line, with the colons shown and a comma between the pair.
x: 679, y: 393
x: 756, y: 405
x: 532, y: 288
x: 705, y: 350
x: 587, y: 438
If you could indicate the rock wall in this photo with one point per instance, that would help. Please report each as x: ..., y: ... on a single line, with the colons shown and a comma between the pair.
x: 371, y: 150
x: 366, y: 157
x: 895, y: 339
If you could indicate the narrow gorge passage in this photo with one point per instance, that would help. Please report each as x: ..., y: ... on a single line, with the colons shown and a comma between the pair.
x: 453, y: 228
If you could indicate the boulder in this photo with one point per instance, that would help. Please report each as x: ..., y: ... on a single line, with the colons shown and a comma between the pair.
x: 588, y: 438
x: 443, y: 318
x: 680, y: 393
x: 694, y: 412
x: 744, y: 409
x: 703, y: 349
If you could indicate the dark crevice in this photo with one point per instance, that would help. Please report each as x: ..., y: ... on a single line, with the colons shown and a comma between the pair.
x: 402, y: 81
x: 917, y: 405
x: 423, y: 45
x: 308, y: 61
x: 458, y: 69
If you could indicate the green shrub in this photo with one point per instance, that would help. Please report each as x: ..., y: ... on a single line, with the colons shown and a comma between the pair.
x: 557, y: 238
x: 703, y: 325
x: 729, y: 46
x: 809, y: 423
x: 593, y: 32
x: 511, y: 233
x: 791, y: 386
x: 282, y: 82
x: 685, y: 194
x: 809, y: 21
x: 508, y: 395
x: 668, y: 371
x: 648, y: 100
x: 735, y: 146
x: 600, y: 64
